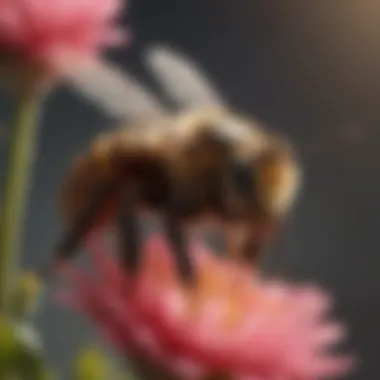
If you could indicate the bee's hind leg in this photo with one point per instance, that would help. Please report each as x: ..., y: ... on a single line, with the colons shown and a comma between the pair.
x: 78, y: 231
x: 174, y: 229
x: 128, y: 232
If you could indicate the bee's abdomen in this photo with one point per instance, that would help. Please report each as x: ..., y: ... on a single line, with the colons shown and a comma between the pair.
x: 91, y: 173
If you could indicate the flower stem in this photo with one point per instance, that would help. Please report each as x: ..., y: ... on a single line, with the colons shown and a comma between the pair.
x: 22, y: 149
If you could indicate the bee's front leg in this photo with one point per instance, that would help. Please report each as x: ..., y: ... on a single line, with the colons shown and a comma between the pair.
x: 248, y: 243
x: 239, y: 243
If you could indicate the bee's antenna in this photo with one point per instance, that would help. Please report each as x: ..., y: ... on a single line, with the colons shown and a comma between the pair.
x: 181, y: 79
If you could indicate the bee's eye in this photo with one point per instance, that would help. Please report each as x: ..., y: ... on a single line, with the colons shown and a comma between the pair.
x: 241, y: 178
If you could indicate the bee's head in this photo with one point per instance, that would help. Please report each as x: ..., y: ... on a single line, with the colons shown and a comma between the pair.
x: 264, y: 186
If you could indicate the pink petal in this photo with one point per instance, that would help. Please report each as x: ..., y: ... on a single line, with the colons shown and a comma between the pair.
x: 283, y: 332
x: 37, y: 30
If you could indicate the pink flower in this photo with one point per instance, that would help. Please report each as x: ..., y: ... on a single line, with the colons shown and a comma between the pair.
x: 229, y: 324
x: 43, y: 31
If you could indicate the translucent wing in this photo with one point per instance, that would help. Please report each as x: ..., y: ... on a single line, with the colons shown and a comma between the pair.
x: 181, y: 79
x: 115, y: 91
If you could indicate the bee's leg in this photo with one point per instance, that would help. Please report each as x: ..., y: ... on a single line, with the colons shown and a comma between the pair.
x: 71, y: 239
x: 175, y: 234
x: 128, y: 231
x: 250, y: 249
x: 243, y: 216
x: 248, y: 243
x: 174, y: 230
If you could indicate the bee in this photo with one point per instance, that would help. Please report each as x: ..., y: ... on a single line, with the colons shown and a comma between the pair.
x: 204, y: 163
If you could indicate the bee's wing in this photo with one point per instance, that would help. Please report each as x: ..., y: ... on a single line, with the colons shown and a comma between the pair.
x: 181, y: 79
x: 116, y: 92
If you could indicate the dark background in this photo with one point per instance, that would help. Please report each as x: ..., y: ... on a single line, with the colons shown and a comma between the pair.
x: 308, y: 68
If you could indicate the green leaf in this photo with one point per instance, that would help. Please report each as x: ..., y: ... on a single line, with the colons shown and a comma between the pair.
x: 29, y: 362
x: 25, y: 295
x: 8, y: 346
x: 20, y: 352
x: 91, y: 364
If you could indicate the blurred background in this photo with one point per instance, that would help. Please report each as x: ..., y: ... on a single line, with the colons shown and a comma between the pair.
x: 309, y: 69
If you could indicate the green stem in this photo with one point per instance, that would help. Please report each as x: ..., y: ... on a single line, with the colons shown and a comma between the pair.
x: 22, y: 149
